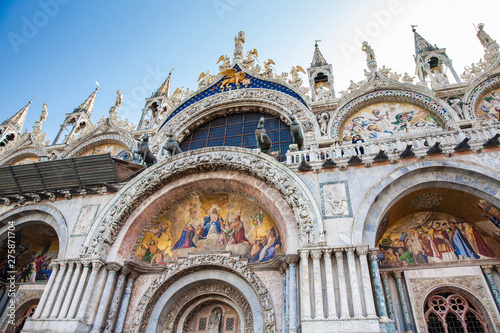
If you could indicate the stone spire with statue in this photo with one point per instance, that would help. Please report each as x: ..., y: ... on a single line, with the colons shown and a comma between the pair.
x: 370, y: 56
x: 239, y: 51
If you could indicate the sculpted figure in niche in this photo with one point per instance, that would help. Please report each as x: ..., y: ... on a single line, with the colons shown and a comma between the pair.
x: 323, y: 123
x: 215, y: 320
x: 323, y: 92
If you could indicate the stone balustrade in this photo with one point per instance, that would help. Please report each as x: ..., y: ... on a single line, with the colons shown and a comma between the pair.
x: 395, y: 145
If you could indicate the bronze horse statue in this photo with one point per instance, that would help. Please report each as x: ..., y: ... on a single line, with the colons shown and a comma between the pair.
x: 144, y: 152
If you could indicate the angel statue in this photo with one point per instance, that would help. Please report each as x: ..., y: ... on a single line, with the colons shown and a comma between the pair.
x: 233, y: 76
x: 225, y: 63
x: 370, y: 56
x: 486, y: 40
x: 268, y: 69
x: 296, y: 80
x: 250, y: 60
x: 204, y: 80
x: 177, y: 95
x: 113, y: 111
x: 238, y: 45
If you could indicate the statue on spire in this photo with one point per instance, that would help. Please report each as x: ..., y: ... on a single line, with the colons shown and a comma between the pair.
x: 37, y: 133
x: 239, y: 40
x: 113, y: 111
x: 370, y: 56
x: 490, y: 46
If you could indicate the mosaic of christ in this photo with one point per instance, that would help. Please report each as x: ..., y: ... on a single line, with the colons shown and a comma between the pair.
x: 383, y: 119
x: 207, y: 222
x: 489, y: 108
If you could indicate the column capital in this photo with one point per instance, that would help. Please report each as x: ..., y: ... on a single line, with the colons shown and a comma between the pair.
x: 350, y: 252
x: 397, y: 274
x: 125, y: 271
x: 373, y: 253
x: 316, y: 254
x: 327, y: 253
x: 291, y: 259
x: 339, y: 253
x: 304, y: 254
x: 497, y: 267
x: 54, y: 265
x: 86, y: 263
x: 96, y: 265
x: 384, y: 275
x: 113, y: 267
x: 487, y: 269
x: 362, y: 250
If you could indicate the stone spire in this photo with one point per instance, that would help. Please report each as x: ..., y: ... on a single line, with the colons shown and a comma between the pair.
x: 88, y: 105
x: 421, y: 44
x: 318, y: 59
x: 320, y: 77
x: 165, y: 87
x: 17, y: 120
x: 431, y: 63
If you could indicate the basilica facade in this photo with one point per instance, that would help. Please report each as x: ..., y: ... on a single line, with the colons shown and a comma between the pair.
x: 263, y: 202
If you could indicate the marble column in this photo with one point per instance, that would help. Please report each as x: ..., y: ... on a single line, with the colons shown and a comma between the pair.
x: 330, y: 288
x: 115, y: 301
x: 125, y: 301
x: 306, y: 292
x: 47, y: 291
x: 102, y: 311
x: 353, y: 277
x: 388, y: 297
x: 284, y: 321
x: 377, y: 284
x: 367, y: 283
x: 402, y: 297
x: 344, y: 306
x: 491, y: 282
x: 79, y: 289
x: 63, y: 289
x: 70, y: 291
x: 318, y: 287
x: 96, y: 265
x: 53, y: 293
x: 292, y: 291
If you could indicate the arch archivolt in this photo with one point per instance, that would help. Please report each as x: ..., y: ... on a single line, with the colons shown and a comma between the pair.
x: 178, y: 314
x: 34, y: 214
x: 472, y: 286
x: 434, y: 106
x: 239, y: 100
x: 465, y: 176
x: 19, y: 155
x: 188, y: 278
x: 256, y: 165
x: 97, y: 140
x: 472, y: 98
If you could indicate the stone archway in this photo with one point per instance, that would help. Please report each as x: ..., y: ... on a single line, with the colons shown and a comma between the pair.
x: 257, y: 165
x: 167, y: 295
x: 461, y: 175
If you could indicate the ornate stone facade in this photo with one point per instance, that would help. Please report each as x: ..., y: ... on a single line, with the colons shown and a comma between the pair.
x: 347, y: 234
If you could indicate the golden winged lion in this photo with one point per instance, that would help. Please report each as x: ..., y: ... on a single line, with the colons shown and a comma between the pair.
x: 233, y: 76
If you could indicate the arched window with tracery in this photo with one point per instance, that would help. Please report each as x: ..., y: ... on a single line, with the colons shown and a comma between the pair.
x: 453, y: 313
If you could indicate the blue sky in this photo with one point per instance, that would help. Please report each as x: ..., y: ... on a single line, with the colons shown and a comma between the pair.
x: 56, y: 49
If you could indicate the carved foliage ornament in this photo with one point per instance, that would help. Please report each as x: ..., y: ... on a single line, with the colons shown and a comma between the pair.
x: 195, y: 262
x: 199, y: 161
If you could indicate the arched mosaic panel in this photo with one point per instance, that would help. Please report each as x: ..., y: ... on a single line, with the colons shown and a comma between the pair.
x: 430, y: 237
x: 384, y: 119
x: 117, y: 150
x: 489, y: 106
x: 209, y: 221
x: 36, y: 247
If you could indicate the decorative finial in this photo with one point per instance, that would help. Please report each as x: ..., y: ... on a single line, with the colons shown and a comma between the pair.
x: 316, y: 42
x: 98, y: 84
x: 413, y: 26
x: 171, y: 71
